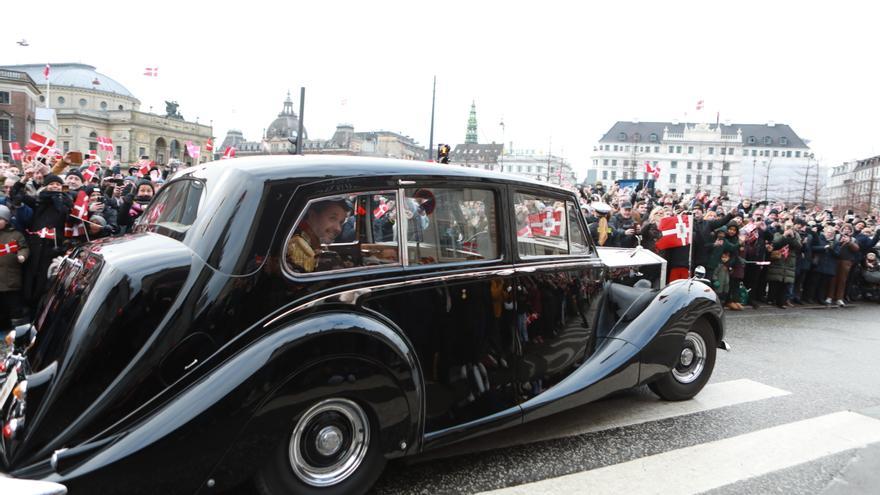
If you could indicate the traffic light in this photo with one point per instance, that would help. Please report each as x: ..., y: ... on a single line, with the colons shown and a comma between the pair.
x: 443, y: 153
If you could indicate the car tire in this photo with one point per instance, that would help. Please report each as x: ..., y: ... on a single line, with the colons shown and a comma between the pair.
x: 693, y: 365
x: 332, y: 448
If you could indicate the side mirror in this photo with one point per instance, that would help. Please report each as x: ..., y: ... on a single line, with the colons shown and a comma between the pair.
x: 700, y: 274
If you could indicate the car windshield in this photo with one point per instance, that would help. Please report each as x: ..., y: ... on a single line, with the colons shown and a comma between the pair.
x: 174, y: 209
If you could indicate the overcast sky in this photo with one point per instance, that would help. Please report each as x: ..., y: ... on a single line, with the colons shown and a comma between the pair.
x: 560, y: 71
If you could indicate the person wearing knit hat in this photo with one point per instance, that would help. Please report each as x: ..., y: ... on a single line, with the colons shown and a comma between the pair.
x: 73, y: 180
x: 52, y: 178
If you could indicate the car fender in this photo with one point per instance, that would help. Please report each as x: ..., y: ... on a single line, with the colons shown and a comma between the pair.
x: 187, y: 438
x: 660, y: 329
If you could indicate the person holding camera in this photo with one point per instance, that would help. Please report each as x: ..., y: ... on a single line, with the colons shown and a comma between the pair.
x: 849, y: 249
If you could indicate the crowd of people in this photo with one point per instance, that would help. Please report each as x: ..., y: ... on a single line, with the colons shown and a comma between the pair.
x: 754, y: 252
x: 50, y: 206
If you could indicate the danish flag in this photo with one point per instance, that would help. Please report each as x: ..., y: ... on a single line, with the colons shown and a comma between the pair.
x: 209, y: 146
x: 105, y: 143
x: 92, y: 155
x: 380, y: 210
x: 193, y: 150
x: 46, y: 70
x: 144, y: 169
x: 655, y: 171
x: 45, y: 233
x: 229, y: 153
x: 8, y: 248
x: 74, y: 230
x: 524, y: 232
x: 15, y: 151
x: 40, y: 144
x: 89, y: 173
x: 151, y: 72
x: 547, y: 223
x: 700, y: 105
x: 81, y: 206
x: 676, y: 232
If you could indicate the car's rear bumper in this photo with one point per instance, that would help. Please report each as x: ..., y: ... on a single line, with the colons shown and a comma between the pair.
x: 29, y: 487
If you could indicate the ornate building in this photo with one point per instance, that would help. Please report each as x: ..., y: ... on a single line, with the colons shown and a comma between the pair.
x: 345, y: 141
x: 855, y: 185
x: 89, y: 104
x: 471, y: 136
x: 18, y: 96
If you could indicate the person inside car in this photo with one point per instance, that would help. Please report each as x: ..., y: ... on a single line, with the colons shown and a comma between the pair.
x: 322, y: 225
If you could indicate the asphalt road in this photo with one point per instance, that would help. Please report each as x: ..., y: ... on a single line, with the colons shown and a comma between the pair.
x: 794, y: 408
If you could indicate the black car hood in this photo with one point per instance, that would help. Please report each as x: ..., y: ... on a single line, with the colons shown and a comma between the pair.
x: 94, y: 325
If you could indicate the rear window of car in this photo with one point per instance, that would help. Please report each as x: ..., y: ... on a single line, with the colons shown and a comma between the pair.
x: 174, y: 209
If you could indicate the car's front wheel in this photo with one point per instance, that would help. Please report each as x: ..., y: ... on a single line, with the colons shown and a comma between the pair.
x: 693, y: 365
x: 332, y: 448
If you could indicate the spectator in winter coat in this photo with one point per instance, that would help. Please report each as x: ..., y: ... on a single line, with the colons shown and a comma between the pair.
x: 625, y: 227
x: 783, y: 264
x: 13, y: 253
x: 825, y: 249
x: 849, y: 252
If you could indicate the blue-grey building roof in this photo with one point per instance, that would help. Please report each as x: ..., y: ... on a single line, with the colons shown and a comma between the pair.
x: 74, y: 76
x: 760, y: 133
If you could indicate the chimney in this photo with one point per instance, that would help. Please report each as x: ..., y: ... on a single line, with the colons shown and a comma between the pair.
x: 771, y: 124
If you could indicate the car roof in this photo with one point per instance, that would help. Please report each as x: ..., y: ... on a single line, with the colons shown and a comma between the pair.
x: 318, y: 167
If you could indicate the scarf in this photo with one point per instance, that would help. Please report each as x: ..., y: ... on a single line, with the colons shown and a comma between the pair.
x: 603, y: 231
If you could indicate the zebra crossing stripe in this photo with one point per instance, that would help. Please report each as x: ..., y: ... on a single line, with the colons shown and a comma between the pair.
x: 714, y: 464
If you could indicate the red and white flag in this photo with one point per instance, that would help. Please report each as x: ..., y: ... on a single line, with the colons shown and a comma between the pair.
x: 8, y: 248
x: 74, y: 230
x: 193, y: 150
x: 144, y: 168
x: 676, y: 232
x: 151, y: 72
x: 39, y: 144
x: 209, y: 146
x: 380, y: 210
x: 92, y: 155
x: 15, y: 151
x: 547, y: 223
x: 655, y: 171
x: 80, y: 206
x: 229, y: 153
x: 90, y: 173
x: 45, y: 233
x: 700, y: 105
x: 46, y: 70
x: 105, y: 143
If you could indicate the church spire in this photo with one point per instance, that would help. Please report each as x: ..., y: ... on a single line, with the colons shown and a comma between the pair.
x: 288, y: 107
x: 471, y: 136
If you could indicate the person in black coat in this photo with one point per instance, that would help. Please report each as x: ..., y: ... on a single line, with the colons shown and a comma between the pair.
x: 704, y: 234
x: 826, y: 250
x: 51, y: 209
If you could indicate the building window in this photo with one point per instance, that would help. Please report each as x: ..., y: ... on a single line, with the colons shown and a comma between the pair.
x: 5, y: 98
x: 768, y: 140
x: 723, y: 151
x: 687, y: 191
x: 709, y: 166
x: 754, y: 152
x: 605, y: 162
x: 725, y: 166
x: 783, y: 141
x: 61, y: 100
x: 83, y: 102
x: 699, y: 165
x: 613, y: 163
x: 711, y: 150
x: 690, y: 150
x: 656, y: 149
x: 699, y: 179
x: 626, y: 163
x: 687, y: 179
x: 66, y: 146
x: 725, y: 181
x: 120, y: 107
x: 672, y: 149
x: 614, y: 175
x: 775, y: 152
x: 653, y: 138
x: 788, y: 153
x: 607, y: 147
x: 730, y: 151
x: 797, y: 154
x: 103, y: 105
x: 141, y: 152
x: 624, y: 175
x: 678, y: 149
x: 690, y: 165
x: 529, y: 169
x: 615, y: 147
x: 673, y: 164
x: 604, y: 175
x: 673, y: 178
x: 708, y: 180
x: 752, y: 140
x: 119, y: 151
x: 4, y: 131
x: 621, y: 136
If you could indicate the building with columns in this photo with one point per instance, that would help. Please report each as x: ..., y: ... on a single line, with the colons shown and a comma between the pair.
x: 755, y: 160
x: 89, y: 104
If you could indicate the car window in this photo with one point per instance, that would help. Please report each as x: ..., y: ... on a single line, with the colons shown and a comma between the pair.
x: 577, y: 238
x: 540, y: 225
x: 345, y: 232
x: 447, y: 225
x: 175, y: 208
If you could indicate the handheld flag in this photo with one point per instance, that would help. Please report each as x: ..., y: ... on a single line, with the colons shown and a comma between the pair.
x: 80, y: 209
x: 547, y: 223
x: 655, y: 171
x: 105, y: 143
x: 39, y: 144
x: 676, y: 232
x: 8, y: 248
x: 15, y: 151
x: 90, y: 173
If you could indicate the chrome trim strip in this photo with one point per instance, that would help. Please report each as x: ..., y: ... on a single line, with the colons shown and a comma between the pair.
x: 351, y: 296
x: 402, y: 253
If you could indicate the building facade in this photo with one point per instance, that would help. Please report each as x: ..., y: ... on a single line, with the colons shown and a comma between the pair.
x: 754, y: 160
x: 281, y: 134
x: 856, y: 185
x: 89, y: 104
x: 18, y: 102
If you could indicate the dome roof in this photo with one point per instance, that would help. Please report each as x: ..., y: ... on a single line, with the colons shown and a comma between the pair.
x: 74, y: 76
x: 287, y: 123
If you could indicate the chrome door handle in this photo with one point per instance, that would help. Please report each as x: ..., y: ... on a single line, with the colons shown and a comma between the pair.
x: 505, y: 273
x: 526, y: 269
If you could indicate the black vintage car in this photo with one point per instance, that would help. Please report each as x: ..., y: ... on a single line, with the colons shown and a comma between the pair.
x: 295, y: 322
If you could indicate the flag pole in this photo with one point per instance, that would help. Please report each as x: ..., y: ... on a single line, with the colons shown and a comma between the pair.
x: 48, y: 93
x: 691, y: 244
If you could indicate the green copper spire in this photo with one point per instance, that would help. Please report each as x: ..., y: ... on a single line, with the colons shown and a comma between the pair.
x: 471, y: 136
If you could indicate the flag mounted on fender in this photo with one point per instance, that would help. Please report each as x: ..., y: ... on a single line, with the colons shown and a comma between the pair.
x: 676, y: 232
x: 229, y: 153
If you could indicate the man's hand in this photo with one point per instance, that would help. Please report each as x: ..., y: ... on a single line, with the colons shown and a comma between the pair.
x: 629, y: 232
x: 21, y: 258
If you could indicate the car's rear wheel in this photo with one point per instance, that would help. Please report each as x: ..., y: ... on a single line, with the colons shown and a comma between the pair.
x: 332, y: 448
x: 693, y: 365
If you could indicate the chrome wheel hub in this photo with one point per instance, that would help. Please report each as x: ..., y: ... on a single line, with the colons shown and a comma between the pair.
x: 329, y: 442
x: 692, y: 360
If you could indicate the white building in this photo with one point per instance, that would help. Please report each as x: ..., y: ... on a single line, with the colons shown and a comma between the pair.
x: 47, y: 122
x: 855, y: 185
x: 755, y: 160
x: 538, y: 165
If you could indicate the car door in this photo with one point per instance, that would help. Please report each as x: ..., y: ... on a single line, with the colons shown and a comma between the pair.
x: 558, y: 294
x: 457, y: 309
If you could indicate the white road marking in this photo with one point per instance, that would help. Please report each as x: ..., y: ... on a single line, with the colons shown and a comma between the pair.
x: 714, y: 464
x: 618, y: 412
